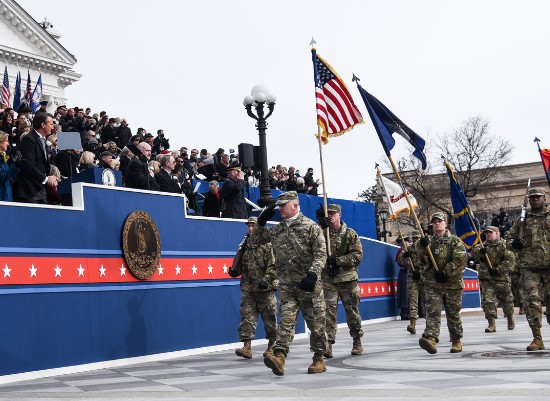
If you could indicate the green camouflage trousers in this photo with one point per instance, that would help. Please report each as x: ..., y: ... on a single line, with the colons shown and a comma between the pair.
x: 349, y: 294
x: 491, y: 291
x: 312, y: 304
x: 252, y: 304
x: 531, y: 280
x: 416, y: 292
x: 452, y: 300
x: 517, y: 290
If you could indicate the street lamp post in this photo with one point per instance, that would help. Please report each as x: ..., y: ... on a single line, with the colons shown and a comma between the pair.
x: 383, y: 214
x: 258, y: 98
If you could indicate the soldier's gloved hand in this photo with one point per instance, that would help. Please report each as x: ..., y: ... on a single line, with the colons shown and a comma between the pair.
x: 233, y: 273
x: 493, y: 272
x: 517, y: 244
x: 320, y: 212
x: 331, y: 260
x: 483, y: 250
x: 308, y: 282
x: 262, y: 285
x: 266, y: 214
x: 407, y: 254
x: 416, y: 275
x: 323, y: 222
x: 441, y: 276
x: 424, y: 242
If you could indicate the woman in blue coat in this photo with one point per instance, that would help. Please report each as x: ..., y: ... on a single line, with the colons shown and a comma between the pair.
x: 5, y: 173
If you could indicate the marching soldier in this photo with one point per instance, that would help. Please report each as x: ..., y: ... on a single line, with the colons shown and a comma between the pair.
x: 533, y: 252
x: 340, y: 278
x: 494, y: 280
x: 258, y: 285
x: 300, y: 256
x: 442, y: 286
x: 409, y: 257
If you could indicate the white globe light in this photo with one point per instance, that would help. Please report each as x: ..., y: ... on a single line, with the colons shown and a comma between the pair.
x: 271, y: 98
x: 259, y: 88
x: 248, y: 100
x: 259, y: 97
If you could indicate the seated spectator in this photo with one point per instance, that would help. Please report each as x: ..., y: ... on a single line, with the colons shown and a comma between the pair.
x: 222, y: 166
x: 51, y: 143
x: 5, y: 173
x: 212, y: 200
x: 115, y: 164
x: 92, y: 146
x: 154, y: 166
x: 125, y: 159
x: 105, y: 159
x: 87, y: 161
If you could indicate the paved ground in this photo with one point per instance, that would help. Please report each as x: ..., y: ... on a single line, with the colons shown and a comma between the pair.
x: 491, y: 367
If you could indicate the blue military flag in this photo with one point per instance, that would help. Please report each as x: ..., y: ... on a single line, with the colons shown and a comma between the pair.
x: 464, y: 227
x: 36, y: 95
x: 17, y: 92
x: 386, y: 123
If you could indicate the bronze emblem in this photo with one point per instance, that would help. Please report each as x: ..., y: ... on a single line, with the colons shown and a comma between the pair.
x: 141, y: 244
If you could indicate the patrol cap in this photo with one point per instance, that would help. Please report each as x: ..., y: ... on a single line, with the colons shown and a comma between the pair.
x: 537, y: 192
x: 251, y: 220
x: 236, y: 167
x: 492, y: 228
x: 334, y: 208
x: 415, y: 234
x: 438, y: 215
x: 286, y: 196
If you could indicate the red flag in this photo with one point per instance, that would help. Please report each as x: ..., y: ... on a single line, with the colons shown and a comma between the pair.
x: 336, y: 111
x: 545, y: 156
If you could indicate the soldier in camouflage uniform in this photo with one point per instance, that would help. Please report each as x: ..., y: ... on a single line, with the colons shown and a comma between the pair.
x: 340, y: 278
x: 300, y: 256
x: 533, y: 253
x: 258, y: 285
x: 494, y: 281
x: 444, y: 286
x: 409, y: 257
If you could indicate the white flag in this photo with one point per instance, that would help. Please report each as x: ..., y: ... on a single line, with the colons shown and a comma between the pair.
x: 396, y: 198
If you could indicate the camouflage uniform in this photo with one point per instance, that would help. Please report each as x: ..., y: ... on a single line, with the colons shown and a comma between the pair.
x: 258, y: 265
x: 495, y: 287
x: 299, y: 248
x: 414, y: 287
x: 346, y: 246
x: 450, y: 255
x: 534, y: 262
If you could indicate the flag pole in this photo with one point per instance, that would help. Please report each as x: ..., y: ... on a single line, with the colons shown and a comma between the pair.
x: 537, y: 140
x: 381, y: 181
x: 415, y: 218
x: 319, y: 132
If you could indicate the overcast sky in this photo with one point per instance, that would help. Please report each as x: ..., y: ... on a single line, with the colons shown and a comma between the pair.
x: 186, y: 66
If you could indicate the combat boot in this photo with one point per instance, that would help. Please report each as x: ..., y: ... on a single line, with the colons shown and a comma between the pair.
x: 276, y: 362
x: 456, y: 346
x: 269, y: 349
x: 318, y: 365
x: 521, y: 310
x: 411, y: 328
x: 536, y: 344
x: 428, y: 344
x: 328, y: 352
x: 245, y: 351
x: 492, y: 326
x: 357, y: 347
x: 511, y: 323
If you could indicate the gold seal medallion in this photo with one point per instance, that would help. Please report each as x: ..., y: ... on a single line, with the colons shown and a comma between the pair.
x: 141, y: 244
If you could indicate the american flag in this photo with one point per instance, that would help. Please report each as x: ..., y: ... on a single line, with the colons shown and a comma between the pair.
x: 6, y: 89
x: 28, y: 93
x: 336, y: 112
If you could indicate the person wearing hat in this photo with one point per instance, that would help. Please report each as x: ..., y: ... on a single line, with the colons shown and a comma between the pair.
x: 300, y: 257
x: 533, y: 254
x: 494, y: 278
x: 42, y: 109
x: 110, y: 131
x: 256, y: 266
x: 408, y: 256
x: 105, y: 159
x: 340, y: 278
x: 233, y: 203
x: 444, y: 285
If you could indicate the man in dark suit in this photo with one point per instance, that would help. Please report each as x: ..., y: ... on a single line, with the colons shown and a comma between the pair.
x: 164, y: 177
x: 234, y: 205
x: 138, y: 173
x: 34, y: 169
x: 212, y: 200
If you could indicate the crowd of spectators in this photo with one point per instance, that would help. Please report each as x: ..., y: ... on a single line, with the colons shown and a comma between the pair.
x: 144, y: 160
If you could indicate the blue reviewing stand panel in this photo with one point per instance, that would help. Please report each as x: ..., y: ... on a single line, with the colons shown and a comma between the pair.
x: 69, y: 314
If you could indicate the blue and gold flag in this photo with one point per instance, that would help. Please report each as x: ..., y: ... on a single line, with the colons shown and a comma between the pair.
x: 464, y: 227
